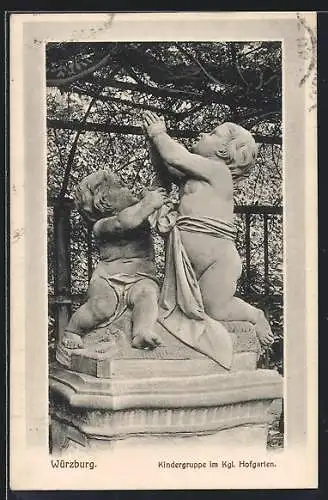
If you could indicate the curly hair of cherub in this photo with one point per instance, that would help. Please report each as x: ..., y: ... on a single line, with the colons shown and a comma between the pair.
x: 240, y: 151
x: 91, y: 195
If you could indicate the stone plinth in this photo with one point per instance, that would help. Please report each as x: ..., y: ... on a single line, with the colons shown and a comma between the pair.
x: 111, y: 395
x: 108, y: 353
x: 90, y: 411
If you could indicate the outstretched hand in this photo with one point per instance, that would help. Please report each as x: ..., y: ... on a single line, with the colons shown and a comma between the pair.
x: 152, y: 124
x: 156, y: 198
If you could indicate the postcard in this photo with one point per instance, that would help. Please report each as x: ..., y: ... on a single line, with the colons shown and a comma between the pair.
x: 163, y: 251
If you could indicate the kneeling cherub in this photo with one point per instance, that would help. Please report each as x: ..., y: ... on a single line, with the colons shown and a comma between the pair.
x: 125, y: 275
x: 204, y: 224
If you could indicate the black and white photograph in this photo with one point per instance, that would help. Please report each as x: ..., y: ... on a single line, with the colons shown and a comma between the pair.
x: 166, y: 244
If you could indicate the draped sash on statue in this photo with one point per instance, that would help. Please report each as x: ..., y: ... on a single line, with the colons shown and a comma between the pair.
x: 181, y: 304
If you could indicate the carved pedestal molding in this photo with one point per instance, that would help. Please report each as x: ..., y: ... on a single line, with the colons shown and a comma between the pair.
x: 89, y: 411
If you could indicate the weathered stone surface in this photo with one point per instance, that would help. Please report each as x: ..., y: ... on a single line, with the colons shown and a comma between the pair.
x: 84, y: 391
x: 174, y: 421
x: 66, y: 438
x: 173, y: 392
x: 89, y: 411
x: 109, y: 353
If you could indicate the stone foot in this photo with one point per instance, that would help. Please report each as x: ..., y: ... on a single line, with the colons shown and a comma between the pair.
x: 263, y: 330
x: 72, y: 340
x: 146, y: 340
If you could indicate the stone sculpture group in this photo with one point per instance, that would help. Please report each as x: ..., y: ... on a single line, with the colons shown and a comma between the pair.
x: 202, y: 263
x: 177, y: 358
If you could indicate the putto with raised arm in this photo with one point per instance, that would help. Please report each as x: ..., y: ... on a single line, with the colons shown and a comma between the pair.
x: 203, y: 237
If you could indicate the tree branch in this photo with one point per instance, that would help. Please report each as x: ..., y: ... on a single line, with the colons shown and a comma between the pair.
x: 108, y: 99
x: 184, y: 114
x: 61, y: 159
x: 157, y: 69
x: 199, y: 64
x: 108, y: 128
x: 275, y: 162
x: 126, y: 164
x: 58, y: 82
x: 257, y: 118
x: 71, y: 155
x: 208, y: 97
x: 125, y: 102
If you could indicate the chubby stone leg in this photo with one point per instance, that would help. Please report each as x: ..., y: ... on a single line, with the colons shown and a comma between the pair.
x: 101, y: 305
x: 218, y: 287
x: 239, y: 310
x: 143, y: 298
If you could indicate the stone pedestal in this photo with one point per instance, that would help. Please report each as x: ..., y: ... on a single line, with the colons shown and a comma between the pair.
x: 116, y: 396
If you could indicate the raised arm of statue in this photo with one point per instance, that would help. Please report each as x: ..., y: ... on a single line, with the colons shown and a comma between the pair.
x: 164, y: 170
x: 133, y: 216
x: 175, y: 154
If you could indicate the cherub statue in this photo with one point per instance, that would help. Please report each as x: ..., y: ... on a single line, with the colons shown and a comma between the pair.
x: 202, y: 259
x: 125, y: 275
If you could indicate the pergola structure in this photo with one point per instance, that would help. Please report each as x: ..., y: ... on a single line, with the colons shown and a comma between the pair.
x: 184, y: 78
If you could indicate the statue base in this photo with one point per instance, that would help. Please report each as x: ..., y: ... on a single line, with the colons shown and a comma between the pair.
x: 219, y: 408
x: 108, y: 353
x: 111, y: 395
